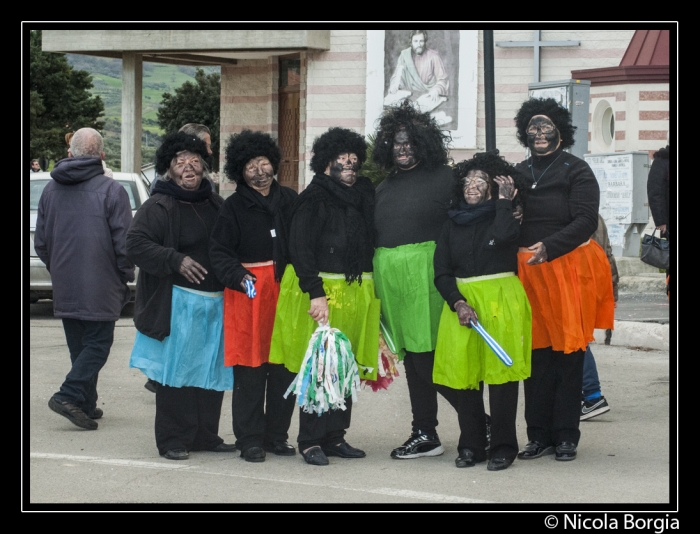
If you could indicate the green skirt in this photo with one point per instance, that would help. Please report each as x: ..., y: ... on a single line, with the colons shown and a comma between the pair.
x: 353, y: 309
x: 462, y: 357
x: 411, y: 304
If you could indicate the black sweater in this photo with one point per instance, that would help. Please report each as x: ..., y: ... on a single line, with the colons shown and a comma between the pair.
x: 486, y: 247
x: 411, y: 206
x: 562, y: 210
x: 318, y: 239
x: 243, y: 233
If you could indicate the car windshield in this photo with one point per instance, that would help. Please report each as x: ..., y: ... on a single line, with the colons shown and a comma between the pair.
x: 37, y: 186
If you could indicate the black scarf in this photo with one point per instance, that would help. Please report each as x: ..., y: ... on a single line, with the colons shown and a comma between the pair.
x: 171, y: 189
x: 272, y: 205
x: 468, y: 214
x: 358, y: 201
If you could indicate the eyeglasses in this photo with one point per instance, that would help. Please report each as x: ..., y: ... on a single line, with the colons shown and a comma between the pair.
x: 183, y: 162
x: 544, y: 128
x: 474, y: 182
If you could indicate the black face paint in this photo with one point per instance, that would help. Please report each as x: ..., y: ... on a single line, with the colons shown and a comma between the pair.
x: 476, y: 187
x: 345, y: 168
x: 403, y: 152
x: 542, y: 136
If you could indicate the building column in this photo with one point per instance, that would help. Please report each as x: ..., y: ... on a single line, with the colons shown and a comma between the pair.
x: 132, y: 83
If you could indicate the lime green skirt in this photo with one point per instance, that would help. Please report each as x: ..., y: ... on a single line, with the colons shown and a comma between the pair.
x: 411, y: 304
x: 462, y: 357
x: 353, y: 309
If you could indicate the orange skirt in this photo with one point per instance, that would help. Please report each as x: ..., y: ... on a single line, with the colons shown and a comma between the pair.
x: 248, y: 322
x: 570, y: 297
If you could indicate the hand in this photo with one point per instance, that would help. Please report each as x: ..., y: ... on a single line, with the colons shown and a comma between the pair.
x: 465, y: 313
x: 506, y: 187
x: 433, y: 95
x: 539, y: 254
x: 662, y: 230
x: 192, y: 270
x: 247, y: 277
x: 518, y: 213
x: 319, y: 310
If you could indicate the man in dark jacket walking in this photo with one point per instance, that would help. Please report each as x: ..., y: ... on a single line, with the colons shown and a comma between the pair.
x: 80, y: 235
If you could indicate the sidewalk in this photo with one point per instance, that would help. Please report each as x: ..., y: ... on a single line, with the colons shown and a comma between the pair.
x: 642, y: 315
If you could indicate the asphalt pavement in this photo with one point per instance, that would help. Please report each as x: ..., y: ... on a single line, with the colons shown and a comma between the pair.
x: 627, y: 457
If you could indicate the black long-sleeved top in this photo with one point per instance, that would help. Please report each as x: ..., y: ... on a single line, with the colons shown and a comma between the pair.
x: 411, y: 206
x: 318, y: 239
x: 486, y: 247
x: 243, y: 233
x: 658, y: 187
x: 562, y: 210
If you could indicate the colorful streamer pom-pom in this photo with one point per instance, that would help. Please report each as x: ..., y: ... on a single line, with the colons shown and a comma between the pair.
x: 328, y: 373
x: 386, y: 368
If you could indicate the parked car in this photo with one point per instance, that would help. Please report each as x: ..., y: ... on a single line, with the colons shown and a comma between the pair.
x: 39, y: 279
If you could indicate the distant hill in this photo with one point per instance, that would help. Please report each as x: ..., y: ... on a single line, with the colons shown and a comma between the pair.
x: 107, y: 83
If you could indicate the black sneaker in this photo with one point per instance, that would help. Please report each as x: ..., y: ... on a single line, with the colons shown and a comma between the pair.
x: 592, y: 408
x: 419, y: 444
x: 74, y: 414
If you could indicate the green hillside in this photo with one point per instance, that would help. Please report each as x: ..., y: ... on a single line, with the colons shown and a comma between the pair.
x: 157, y: 79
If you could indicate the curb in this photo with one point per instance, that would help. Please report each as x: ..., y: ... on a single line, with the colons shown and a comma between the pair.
x: 649, y: 336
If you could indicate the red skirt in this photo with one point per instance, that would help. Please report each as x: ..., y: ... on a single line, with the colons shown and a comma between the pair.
x: 248, y: 322
x: 570, y: 297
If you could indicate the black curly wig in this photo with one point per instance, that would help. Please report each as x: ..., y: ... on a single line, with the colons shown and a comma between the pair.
x: 175, y: 143
x: 492, y: 164
x: 430, y: 143
x: 247, y: 145
x: 328, y: 146
x: 551, y: 108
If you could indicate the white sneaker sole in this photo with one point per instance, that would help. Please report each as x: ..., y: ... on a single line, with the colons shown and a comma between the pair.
x: 594, y: 413
x: 437, y: 451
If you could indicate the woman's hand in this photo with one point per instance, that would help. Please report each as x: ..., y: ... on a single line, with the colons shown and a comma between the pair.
x: 319, y: 310
x: 506, y: 187
x: 539, y: 254
x: 192, y: 270
x: 247, y: 277
x: 465, y: 313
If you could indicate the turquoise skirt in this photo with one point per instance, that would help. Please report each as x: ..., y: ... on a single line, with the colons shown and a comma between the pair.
x: 462, y: 357
x: 193, y: 353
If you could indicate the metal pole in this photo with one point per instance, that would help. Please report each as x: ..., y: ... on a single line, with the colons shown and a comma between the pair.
x: 489, y: 91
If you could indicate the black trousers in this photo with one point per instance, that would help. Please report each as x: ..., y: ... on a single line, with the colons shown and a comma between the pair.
x: 260, y: 412
x: 327, y: 429
x: 89, y: 343
x: 423, y: 393
x: 471, y: 414
x: 553, y: 396
x: 187, y: 418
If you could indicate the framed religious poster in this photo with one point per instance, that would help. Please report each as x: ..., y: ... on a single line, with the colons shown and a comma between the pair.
x: 434, y: 69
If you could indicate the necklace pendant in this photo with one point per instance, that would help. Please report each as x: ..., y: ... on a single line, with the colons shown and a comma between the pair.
x: 533, y: 186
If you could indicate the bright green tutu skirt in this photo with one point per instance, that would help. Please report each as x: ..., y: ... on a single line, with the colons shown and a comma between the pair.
x: 353, y: 309
x: 411, y: 304
x: 462, y: 357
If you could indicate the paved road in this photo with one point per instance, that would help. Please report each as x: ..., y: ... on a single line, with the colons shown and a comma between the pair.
x: 643, y: 307
x: 624, y: 455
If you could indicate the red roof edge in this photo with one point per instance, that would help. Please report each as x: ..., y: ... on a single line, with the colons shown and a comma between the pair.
x: 620, y: 75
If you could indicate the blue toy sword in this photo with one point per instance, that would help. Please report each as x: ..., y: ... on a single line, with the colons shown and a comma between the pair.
x: 502, y: 355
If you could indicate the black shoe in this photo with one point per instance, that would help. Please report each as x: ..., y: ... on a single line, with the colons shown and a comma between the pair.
x: 565, y: 451
x: 71, y: 412
x: 150, y: 385
x: 315, y: 456
x: 466, y: 458
x: 224, y: 447
x: 592, y: 408
x: 280, y: 448
x: 97, y: 413
x: 535, y: 449
x: 176, y: 454
x: 254, y: 454
x: 419, y: 444
x: 499, y: 464
x: 344, y: 450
